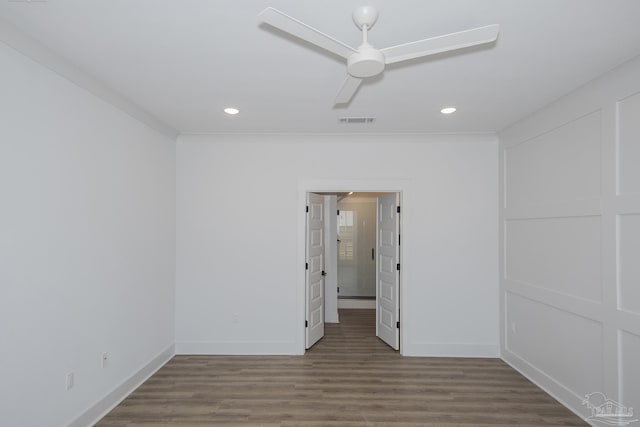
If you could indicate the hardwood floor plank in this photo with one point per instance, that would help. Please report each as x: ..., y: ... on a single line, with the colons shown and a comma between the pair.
x: 349, y: 378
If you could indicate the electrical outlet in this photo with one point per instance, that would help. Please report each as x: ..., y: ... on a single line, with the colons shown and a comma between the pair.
x: 103, y: 360
x: 70, y: 381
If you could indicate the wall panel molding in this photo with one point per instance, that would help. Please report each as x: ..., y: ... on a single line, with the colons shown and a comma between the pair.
x: 569, y: 303
x: 556, y: 389
x: 627, y: 204
x: 606, y: 111
x: 627, y: 321
x: 557, y: 209
x: 627, y: 147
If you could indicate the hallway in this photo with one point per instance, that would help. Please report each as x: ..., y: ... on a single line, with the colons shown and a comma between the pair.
x: 354, y: 337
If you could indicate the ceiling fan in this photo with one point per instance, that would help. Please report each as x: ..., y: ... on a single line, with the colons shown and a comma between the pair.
x: 367, y: 61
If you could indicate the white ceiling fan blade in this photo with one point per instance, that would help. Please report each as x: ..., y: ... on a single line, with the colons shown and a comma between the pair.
x: 441, y: 44
x: 290, y: 25
x: 349, y: 88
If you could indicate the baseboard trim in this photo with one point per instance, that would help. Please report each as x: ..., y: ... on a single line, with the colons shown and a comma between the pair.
x: 551, y: 386
x: 357, y: 303
x: 451, y: 350
x: 241, y: 348
x: 96, y: 412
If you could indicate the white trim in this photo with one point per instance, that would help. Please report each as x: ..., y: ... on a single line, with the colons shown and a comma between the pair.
x: 549, y: 385
x: 237, y: 348
x: 14, y: 38
x: 103, y: 406
x: 490, y: 133
x: 452, y: 350
x: 357, y: 303
x: 326, y: 186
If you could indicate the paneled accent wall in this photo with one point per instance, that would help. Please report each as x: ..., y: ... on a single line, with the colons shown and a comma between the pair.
x: 570, y: 242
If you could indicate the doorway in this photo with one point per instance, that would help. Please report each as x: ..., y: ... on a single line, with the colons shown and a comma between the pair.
x: 356, y: 254
x: 369, y: 265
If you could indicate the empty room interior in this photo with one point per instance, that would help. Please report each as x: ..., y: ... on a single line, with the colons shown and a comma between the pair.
x: 342, y: 213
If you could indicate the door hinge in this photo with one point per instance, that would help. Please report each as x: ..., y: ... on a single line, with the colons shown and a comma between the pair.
x: 398, y: 324
x: 307, y: 209
x: 306, y: 265
x: 338, y: 289
x: 398, y: 267
x: 338, y: 211
x: 306, y: 324
x: 398, y: 240
x: 398, y: 209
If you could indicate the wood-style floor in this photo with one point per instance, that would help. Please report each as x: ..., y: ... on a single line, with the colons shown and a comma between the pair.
x: 349, y: 378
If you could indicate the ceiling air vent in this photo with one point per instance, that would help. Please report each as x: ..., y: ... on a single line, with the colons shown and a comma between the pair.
x: 357, y: 120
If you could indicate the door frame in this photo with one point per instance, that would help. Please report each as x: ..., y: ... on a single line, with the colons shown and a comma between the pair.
x: 326, y: 186
x: 315, y: 273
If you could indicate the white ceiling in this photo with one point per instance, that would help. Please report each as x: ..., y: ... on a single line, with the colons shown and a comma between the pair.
x: 183, y: 61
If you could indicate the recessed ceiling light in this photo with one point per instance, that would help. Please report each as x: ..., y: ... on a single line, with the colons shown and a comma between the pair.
x: 448, y: 110
x: 231, y: 111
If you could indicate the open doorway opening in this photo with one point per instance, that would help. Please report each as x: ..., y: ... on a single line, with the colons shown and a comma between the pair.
x: 352, y: 260
x: 356, y: 252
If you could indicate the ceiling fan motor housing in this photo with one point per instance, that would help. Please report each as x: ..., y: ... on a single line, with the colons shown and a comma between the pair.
x: 365, y: 15
x: 368, y: 62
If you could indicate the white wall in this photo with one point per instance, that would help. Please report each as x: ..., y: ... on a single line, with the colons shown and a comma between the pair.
x: 87, y: 248
x: 240, y: 254
x: 570, y: 311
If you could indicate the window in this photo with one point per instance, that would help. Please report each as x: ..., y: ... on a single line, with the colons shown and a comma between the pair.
x: 346, y: 235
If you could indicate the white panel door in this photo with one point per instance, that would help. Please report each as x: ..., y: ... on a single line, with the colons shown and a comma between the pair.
x: 387, y: 271
x: 314, y: 322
